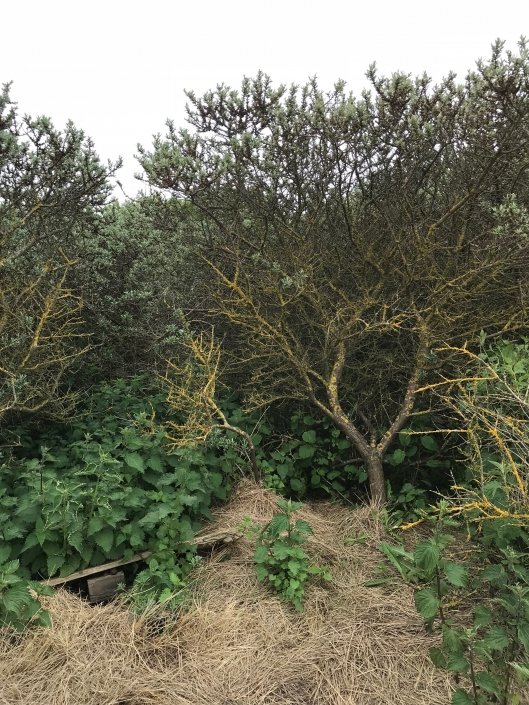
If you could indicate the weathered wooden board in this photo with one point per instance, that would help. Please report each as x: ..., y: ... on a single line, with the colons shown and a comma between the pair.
x: 104, y: 587
x: 203, y: 540
x: 94, y: 570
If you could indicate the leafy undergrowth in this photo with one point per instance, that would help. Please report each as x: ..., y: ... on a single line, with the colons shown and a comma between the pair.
x: 237, y: 641
x: 103, y: 488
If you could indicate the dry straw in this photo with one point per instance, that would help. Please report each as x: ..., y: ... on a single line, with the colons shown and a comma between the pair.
x: 237, y: 644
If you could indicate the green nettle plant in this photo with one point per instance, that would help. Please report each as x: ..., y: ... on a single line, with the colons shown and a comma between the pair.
x: 279, y: 555
x: 19, y: 603
x: 106, y: 488
x: 314, y: 458
x: 488, y: 655
x: 164, y: 582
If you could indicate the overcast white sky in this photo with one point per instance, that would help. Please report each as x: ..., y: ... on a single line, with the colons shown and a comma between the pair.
x: 118, y: 68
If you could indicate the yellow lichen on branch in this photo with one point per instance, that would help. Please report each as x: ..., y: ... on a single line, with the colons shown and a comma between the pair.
x: 497, y: 447
x: 191, y: 383
x: 40, y: 334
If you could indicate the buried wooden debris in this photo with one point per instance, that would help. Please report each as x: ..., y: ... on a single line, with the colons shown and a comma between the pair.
x: 204, y: 540
x: 104, y: 587
x: 95, y: 570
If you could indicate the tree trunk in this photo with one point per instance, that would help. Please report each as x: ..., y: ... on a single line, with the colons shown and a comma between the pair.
x: 377, y: 484
x: 370, y: 456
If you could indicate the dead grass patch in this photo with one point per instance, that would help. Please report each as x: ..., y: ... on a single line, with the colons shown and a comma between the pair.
x: 238, y: 644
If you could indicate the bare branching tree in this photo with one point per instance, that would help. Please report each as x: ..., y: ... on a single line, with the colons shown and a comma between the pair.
x: 344, y: 239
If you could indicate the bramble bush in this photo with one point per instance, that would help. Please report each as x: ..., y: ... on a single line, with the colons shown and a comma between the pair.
x: 315, y: 459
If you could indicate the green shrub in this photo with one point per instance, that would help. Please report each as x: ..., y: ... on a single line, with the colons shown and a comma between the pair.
x: 279, y: 555
x: 489, y: 655
x: 315, y: 458
x: 106, y: 488
x: 19, y: 603
x: 486, y: 645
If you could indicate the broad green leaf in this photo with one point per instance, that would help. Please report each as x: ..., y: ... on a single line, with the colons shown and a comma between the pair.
x: 15, y: 599
x: 12, y: 531
x: 76, y: 540
x: 281, y: 551
x: 451, y: 639
x: 496, y: 639
x: 483, y: 651
x: 95, y: 524
x: 155, y: 463
x: 54, y: 562
x: 40, y: 530
x: 87, y: 553
x: 427, y: 603
x: 315, y: 479
x: 5, y: 552
x: 457, y: 663
x: 455, y: 573
x: 461, y: 697
x: 493, y: 573
x: 303, y: 526
x: 523, y: 634
x: 261, y: 572
x: 105, y: 539
x: 44, y: 619
x: 437, y: 657
x: 215, y: 479
x: 278, y: 524
x: 31, y: 540
x: 10, y: 567
x: 135, y: 461
x: 427, y: 556
x: 297, y: 485
x: 294, y: 567
x: 261, y: 554
x: 309, y: 436
x: 338, y: 486
x: 137, y: 537
x: 398, y: 456
x: 488, y: 682
x: 429, y: 443
x: 522, y: 671
x: 306, y: 451
x: 482, y: 616
x: 71, y: 565
x: 9, y: 579
x: 521, y: 573
x: 189, y: 500
x: 156, y: 515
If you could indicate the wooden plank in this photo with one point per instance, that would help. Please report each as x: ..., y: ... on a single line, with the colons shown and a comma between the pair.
x: 94, y: 570
x: 203, y: 540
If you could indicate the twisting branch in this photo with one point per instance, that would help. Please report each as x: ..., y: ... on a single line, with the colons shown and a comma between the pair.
x: 191, y: 389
